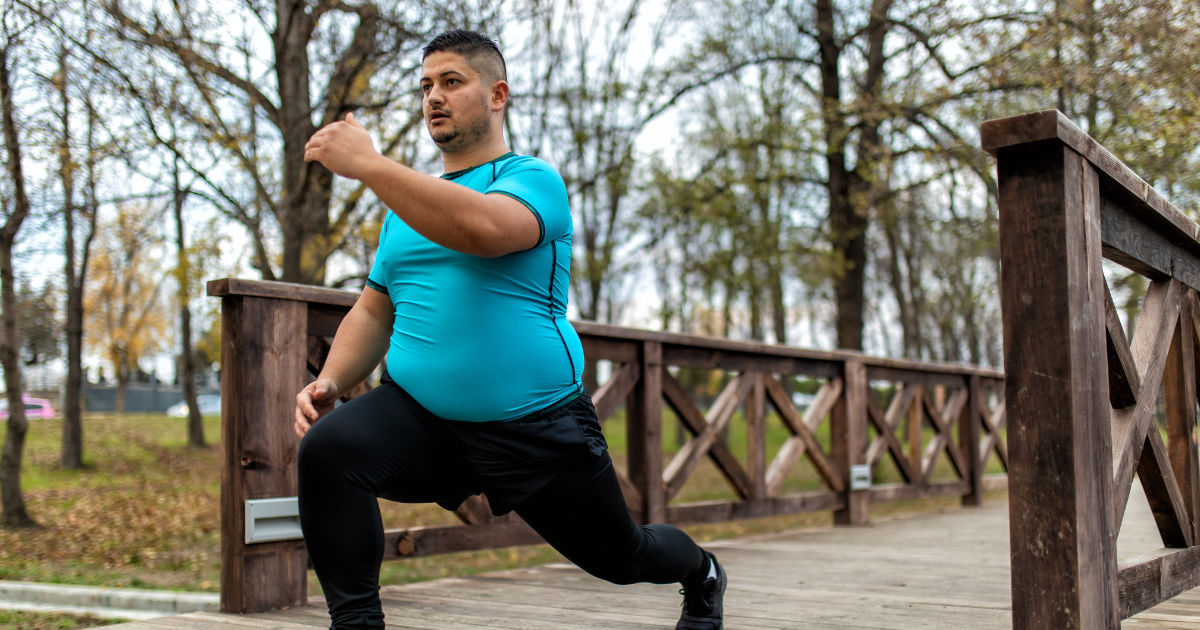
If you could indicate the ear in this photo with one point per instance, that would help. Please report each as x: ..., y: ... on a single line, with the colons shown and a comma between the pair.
x: 499, y: 95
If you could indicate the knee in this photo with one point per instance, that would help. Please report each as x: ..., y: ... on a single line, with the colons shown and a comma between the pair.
x: 324, y: 445
x: 623, y: 573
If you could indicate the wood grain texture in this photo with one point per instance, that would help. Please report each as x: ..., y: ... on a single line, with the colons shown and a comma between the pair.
x: 1132, y: 243
x: 1151, y: 346
x: 229, y: 287
x: 1154, y: 578
x: 1179, y: 397
x: 1123, y: 383
x: 1116, y: 181
x: 263, y: 362
x: 1056, y: 393
x: 1162, y: 491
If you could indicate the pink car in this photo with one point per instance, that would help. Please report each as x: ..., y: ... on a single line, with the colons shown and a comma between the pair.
x: 34, y: 407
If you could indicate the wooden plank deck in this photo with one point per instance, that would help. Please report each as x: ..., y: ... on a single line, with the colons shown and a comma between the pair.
x: 946, y: 570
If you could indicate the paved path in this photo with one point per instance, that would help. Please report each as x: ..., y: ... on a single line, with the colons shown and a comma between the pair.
x: 935, y: 571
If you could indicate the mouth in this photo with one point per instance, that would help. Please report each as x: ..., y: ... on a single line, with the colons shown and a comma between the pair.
x: 438, y: 115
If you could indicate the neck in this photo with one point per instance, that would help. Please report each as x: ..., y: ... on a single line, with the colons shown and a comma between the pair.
x: 474, y: 156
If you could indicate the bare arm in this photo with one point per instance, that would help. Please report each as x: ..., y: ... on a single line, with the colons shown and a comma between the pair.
x: 359, y: 346
x: 446, y: 213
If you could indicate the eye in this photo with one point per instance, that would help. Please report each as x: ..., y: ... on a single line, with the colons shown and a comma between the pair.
x: 451, y: 81
x: 425, y: 87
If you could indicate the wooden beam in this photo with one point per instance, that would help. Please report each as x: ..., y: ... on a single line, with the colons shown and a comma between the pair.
x: 698, y: 425
x: 263, y: 362
x: 1149, y: 580
x: 614, y: 392
x: 723, y: 511
x: 1151, y: 346
x: 644, y: 433
x: 415, y: 542
x: 1060, y: 487
x: 1179, y: 394
x: 1123, y: 384
x: 886, y: 442
x: 708, y: 436
x: 848, y: 437
x: 970, y: 425
x: 905, y: 492
x: 802, y: 440
x: 1162, y: 492
x: 1131, y: 242
x: 1116, y: 180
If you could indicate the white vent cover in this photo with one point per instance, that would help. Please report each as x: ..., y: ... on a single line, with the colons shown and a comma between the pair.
x: 860, y: 477
x: 268, y: 520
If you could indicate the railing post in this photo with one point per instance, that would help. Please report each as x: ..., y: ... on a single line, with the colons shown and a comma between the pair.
x: 969, y: 425
x: 263, y: 349
x: 1063, y: 544
x: 644, y: 430
x: 848, y: 440
x: 756, y: 437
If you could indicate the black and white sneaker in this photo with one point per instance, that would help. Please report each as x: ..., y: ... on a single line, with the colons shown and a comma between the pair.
x: 703, y: 605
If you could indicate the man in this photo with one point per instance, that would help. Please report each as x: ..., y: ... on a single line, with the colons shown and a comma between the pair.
x: 482, y: 391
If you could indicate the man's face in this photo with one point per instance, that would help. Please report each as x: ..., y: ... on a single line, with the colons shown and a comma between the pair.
x: 456, y: 103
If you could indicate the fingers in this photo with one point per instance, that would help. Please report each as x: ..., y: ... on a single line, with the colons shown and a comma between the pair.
x: 302, y: 425
x: 350, y: 119
x: 304, y: 405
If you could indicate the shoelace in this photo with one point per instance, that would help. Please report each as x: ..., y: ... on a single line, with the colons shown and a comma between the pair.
x: 695, y: 597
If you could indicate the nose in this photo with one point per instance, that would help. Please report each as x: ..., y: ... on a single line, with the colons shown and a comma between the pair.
x: 433, y: 97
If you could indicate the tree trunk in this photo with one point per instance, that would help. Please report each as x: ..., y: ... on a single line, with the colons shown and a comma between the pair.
x: 122, y: 382
x: 847, y: 226
x: 72, y: 429
x: 12, y: 503
x: 187, y: 362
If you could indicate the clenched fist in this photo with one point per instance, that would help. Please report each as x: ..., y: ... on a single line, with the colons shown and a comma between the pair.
x: 313, y: 402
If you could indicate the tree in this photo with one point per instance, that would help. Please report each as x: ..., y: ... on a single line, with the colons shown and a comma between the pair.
x: 729, y: 220
x: 37, y: 325
x: 16, y: 208
x: 76, y: 254
x: 123, y: 307
x: 882, y: 92
x: 354, y: 52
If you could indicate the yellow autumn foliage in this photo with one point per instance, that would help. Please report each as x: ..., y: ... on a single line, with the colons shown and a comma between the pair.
x: 125, y: 317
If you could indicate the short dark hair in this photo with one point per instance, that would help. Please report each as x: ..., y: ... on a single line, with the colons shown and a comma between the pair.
x: 481, y: 53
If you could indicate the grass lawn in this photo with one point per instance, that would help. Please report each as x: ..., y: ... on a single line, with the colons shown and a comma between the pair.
x: 19, y: 620
x: 145, y: 510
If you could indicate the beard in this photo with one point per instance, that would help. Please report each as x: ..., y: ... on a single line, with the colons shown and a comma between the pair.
x: 455, y: 138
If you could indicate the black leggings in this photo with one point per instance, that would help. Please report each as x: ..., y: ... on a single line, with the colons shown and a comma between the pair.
x: 383, y: 444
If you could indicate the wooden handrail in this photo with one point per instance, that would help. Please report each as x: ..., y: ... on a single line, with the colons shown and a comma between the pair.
x: 1081, y: 397
x: 275, y: 335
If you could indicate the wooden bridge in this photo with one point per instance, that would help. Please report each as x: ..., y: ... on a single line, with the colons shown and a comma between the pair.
x: 1072, y: 424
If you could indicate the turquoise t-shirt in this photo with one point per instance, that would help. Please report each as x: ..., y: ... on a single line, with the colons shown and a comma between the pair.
x: 484, y: 339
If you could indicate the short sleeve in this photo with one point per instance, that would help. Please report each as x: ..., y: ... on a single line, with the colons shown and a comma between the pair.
x: 377, y: 279
x: 537, y: 185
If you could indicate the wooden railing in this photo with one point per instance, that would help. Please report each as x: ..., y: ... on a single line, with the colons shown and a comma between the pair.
x: 275, y: 335
x: 1081, y: 398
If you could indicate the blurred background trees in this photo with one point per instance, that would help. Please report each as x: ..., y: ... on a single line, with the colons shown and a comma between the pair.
x: 788, y: 171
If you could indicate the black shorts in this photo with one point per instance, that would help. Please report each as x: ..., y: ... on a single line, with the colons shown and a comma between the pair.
x: 512, y: 460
